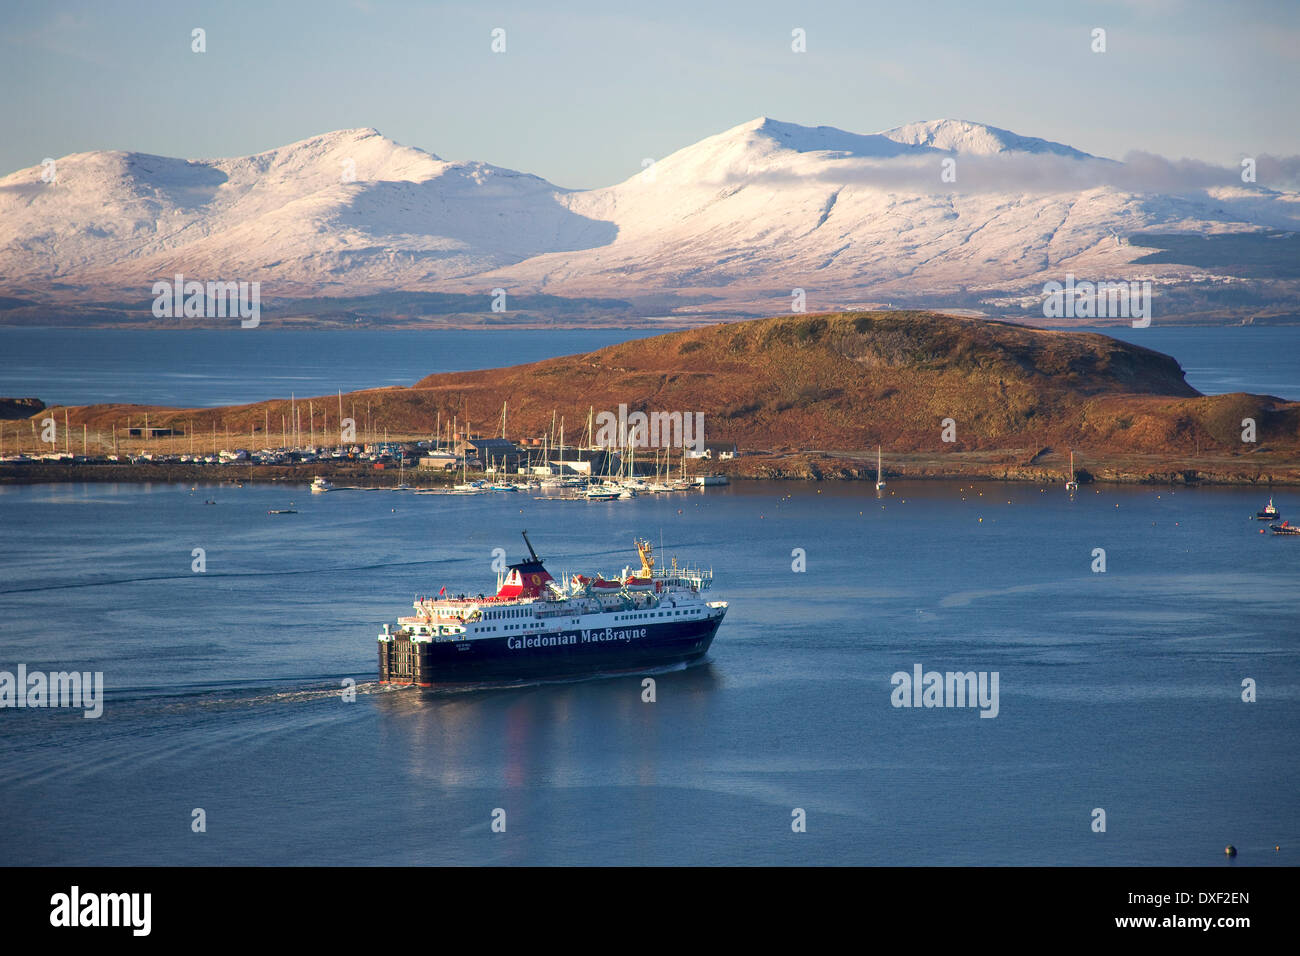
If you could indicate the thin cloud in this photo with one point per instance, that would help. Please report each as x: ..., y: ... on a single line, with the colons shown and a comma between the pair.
x: 1033, y: 173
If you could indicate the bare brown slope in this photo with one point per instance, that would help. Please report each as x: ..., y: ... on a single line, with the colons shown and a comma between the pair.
x: 829, y: 382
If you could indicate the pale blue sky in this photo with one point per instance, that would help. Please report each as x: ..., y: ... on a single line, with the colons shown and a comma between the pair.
x: 586, y: 90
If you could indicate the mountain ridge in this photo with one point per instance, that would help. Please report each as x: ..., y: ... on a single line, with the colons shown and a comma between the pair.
x: 734, y: 220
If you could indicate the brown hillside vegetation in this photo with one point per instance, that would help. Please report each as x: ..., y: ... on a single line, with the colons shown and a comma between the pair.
x: 835, y: 383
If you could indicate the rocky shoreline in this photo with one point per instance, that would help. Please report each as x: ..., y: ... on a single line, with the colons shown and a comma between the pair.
x: 1258, y: 469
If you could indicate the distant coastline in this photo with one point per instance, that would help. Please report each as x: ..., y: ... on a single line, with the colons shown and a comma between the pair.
x: 802, y: 397
x: 849, y: 466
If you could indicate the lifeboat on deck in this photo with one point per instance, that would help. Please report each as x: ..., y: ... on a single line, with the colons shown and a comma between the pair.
x: 597, y: 584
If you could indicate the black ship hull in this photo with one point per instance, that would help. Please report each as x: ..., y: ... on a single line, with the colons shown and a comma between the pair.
x: 569, y: 653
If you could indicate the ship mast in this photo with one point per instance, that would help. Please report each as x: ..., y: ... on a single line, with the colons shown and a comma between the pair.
x: 531, y: 552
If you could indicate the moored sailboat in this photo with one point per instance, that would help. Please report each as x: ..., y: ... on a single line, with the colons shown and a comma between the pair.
x: 1072, y: 484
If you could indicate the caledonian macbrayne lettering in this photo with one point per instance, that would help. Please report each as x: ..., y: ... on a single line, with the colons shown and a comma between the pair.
x: 586, y: 637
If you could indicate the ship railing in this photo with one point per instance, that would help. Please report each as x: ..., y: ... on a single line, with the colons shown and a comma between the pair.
x: 697, y: 580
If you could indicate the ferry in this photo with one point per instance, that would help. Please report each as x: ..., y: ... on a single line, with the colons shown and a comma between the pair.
x: 535, y: 626
x: 1269, y: 513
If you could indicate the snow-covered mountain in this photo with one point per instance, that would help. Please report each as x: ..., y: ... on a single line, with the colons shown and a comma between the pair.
x: 934, y: 208
x: 342, y: 211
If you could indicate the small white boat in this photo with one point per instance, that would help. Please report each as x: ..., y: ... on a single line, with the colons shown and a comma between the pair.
x: 1072, y: 485
x: 320, y: 485
x: 880, y: 472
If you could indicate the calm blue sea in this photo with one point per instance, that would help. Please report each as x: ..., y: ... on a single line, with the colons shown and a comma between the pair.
x: 1118, y: 690
x: 202, y: 368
